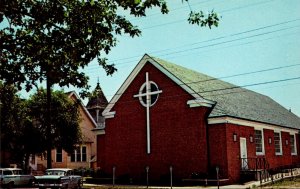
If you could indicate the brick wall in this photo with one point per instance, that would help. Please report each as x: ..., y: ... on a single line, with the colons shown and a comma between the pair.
x: 178, y: 133
x: 178, y: 137
x: 225, y: 153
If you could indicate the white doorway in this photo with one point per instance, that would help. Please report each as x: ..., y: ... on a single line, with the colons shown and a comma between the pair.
x: 243, y: 150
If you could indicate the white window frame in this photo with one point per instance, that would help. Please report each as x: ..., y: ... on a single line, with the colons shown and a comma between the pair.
x: 295, y: 144
x: 280, y: 143
x: 262, y: 142
x: 80, y: 153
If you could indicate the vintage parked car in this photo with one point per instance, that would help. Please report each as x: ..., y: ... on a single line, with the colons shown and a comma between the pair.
x: 10, y: 177
x: 58, y: 178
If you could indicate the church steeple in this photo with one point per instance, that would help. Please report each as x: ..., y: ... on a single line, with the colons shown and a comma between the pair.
x: 96, y: 104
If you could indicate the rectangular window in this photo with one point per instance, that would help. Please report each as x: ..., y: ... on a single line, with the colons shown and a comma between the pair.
x: 277, y: 143
x: 73, y: 155
x: 79, y: 154
x: 293, y: 145
x: 59, y: 155
x: 32, y: 159
x: 259, y: 144
x: 83, y: 152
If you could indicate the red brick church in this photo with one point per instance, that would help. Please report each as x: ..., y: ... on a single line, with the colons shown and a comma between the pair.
x: 165, y: 115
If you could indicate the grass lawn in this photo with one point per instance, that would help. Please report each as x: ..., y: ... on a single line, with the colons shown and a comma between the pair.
x: 295, y: 183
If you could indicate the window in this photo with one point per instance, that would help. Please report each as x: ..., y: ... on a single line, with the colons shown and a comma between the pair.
x: 79, y: 154
x: 59, y: 155
x: 7, y: 172
x: 293, y: 145
x: 32, y: 159
x: 277, y: 143
x: 83, y: 153
x: 259, y: 143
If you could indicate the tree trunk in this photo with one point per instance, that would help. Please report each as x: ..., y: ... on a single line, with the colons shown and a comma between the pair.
x: 26, y: 166
x: 48, y: 124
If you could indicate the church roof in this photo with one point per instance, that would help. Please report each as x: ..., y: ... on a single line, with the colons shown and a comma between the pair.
x: 97, y: 99
x: 232, y: 100
x: 224, y: 98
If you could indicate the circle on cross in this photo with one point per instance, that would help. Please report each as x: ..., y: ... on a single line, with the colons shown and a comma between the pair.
x: 148, y: 93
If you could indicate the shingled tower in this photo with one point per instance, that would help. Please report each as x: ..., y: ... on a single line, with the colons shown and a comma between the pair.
x: 96, y: 104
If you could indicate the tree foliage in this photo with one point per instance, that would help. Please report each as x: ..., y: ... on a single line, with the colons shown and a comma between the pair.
x: 65, y: 118
x: 12, y: 119
x: 53, y: 39
x: 18, y: 136
x: 23, y: 130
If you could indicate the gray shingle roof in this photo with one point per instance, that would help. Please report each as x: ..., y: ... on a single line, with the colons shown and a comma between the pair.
x: 232, y: 100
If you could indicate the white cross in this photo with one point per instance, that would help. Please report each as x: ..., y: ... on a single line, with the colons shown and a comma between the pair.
x: 148, y: 94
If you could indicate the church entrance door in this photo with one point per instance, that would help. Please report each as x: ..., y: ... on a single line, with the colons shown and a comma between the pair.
x: 243, y: 150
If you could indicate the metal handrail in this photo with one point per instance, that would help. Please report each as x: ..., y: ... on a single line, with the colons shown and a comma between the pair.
x: 254, y: 163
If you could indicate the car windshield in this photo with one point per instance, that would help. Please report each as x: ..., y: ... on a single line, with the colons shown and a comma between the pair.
x: 56, y: 172
x: 7, y: 172
x: 17, y: 172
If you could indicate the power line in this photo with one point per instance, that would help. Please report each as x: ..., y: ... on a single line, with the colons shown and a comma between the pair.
x: 215, y: 39
x: 171, y: 10
x: 227, y: 35
x: 234, y: 75
x: 232, y: 40
x: 227, y: 10
x: 216, y: 90
x: 224, y: 47
x: 249, y: 85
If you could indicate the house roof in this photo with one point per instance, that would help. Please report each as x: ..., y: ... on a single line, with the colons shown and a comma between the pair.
x: 232, y: 100
x: 97, y: 99
x: 82, y: 105
x: 228, y: 99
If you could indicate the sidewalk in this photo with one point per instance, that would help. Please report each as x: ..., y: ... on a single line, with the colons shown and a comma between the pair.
x: 246, y: 186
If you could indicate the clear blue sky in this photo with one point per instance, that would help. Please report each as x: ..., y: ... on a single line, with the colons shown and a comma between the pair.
x: 253, y: 35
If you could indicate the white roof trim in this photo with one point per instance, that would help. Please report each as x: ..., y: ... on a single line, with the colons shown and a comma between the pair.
x: 200, y: 102
x: 109, y: 114
x: 146, y: 58
x: 256, y: 125
x: 99, y: 131
x: 83, y: 107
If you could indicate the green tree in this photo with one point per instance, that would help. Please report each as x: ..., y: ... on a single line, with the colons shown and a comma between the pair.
x: 52, y: 40
x: 23, y: 130
x: 65, y: 119
x: 18, y: 136
x: 11, y: 120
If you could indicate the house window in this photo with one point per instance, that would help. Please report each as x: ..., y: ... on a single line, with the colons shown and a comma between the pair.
x: 59, y: 155
x: 83, y: 153
x: 259, y: 143
x: 79, y: 154
x: 277, y: 143
x: 32, y: 159
x: 293, y: 145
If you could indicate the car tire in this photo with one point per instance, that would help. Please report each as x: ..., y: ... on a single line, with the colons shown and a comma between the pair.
x: 10, y: 184
x: 30, y: 183
x: 79, y: 185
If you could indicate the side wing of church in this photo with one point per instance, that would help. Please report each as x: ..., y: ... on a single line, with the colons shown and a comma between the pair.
x: 167, y: 117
